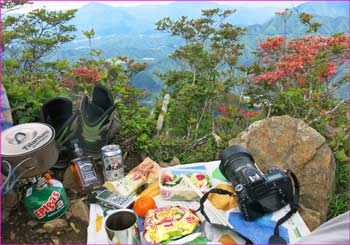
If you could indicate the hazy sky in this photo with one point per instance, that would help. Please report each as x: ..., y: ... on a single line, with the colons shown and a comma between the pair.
x: 57, y: 5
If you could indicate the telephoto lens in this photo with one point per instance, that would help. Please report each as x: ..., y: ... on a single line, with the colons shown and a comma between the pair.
x: 237, y: 165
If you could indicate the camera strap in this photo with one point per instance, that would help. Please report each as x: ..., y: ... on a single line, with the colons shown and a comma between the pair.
x: 275, y: 238
x: 201, y: 209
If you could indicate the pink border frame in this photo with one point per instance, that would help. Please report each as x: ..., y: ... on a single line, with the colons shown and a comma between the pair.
x: 348, y: 113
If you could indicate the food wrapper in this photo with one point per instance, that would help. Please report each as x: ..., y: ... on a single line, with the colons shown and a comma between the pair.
x: 175, y: 187
x: 145, y: 172
x: 169, y: 223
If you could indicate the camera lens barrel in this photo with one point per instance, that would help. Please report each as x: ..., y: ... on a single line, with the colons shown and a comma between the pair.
x: 235, y: 150
x: 233, y: 159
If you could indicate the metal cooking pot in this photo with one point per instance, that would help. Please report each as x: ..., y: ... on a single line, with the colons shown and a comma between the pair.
x: 30, y: 149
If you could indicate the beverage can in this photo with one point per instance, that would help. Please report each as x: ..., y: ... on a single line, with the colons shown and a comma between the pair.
x: 113, y: 167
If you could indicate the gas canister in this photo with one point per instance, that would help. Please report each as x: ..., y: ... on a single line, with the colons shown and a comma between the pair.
x: 46, y: 200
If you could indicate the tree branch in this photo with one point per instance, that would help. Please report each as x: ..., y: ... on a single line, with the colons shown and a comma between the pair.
x: 201, y: 141
x: 200, y: 119
x: 317, y: 119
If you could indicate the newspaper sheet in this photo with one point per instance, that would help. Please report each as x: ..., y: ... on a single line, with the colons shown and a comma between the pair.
x: 258, y: 231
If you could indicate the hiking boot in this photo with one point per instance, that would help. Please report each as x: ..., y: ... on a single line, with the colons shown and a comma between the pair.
x: 99, y: 121
x: 58, y: 112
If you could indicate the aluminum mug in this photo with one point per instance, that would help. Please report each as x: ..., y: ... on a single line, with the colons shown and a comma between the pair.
x: 121, y: 227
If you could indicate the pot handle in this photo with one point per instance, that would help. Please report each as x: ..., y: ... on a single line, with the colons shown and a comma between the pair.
x: 11, y: 180
x: 19, y: 140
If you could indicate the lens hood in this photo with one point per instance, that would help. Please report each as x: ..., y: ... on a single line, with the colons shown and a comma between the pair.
x: 233, y: 152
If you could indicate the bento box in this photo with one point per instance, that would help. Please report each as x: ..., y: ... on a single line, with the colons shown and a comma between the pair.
x: 174, y: 185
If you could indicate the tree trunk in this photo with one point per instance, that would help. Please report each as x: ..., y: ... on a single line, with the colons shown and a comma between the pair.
x: 160, y: 121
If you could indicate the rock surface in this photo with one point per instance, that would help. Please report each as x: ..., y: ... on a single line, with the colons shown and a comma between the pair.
x: 175, y: 161
x: 80, y: 210
x: 289, y: 143
x: 69, y: 181
x: 75, y: 229
x: 55, y: 240
x: 8, y: 203
x: 41, y: 231
x: 55, y: 225
x: 32, y: 223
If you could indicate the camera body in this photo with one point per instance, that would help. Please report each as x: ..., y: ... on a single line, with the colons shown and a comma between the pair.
x: 257, y: 193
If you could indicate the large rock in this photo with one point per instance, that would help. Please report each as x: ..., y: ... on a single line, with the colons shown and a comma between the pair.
x: 289, y: 143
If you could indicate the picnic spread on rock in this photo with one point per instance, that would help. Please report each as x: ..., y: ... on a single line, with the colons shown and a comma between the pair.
x: 225, y: 201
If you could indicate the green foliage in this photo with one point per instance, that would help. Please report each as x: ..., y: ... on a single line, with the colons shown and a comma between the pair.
x: 137, y: 126
x: 306, y: 18
x: 137, y: 123
x: 90, y: 34
x: 209, y: 58
x: 28, y: 78
x: 30, y: 38
x: 339, y: 197
x: 338, y: 139
x: 26, y: 99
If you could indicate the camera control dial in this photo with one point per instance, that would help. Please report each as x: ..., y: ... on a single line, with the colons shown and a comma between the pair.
x: 239, y: 188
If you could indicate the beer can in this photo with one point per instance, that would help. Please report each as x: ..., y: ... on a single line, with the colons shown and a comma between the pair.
x: 113, y: 167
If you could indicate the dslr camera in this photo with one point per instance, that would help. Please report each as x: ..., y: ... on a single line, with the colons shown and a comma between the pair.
x: 257, y: 193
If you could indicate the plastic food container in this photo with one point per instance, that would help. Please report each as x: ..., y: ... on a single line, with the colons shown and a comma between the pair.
x: 174, y: 187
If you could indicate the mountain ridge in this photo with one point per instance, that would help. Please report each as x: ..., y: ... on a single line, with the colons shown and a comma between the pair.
x: 130, y: 32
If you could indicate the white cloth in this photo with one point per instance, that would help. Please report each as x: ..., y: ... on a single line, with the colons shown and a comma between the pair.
x: 334, y: 231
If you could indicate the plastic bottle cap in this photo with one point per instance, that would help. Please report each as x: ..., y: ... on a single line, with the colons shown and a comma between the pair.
x: 47, y: 176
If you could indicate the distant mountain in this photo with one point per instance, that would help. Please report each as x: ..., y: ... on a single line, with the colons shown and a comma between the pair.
x: 130, y: 31
x: 330, y: 9
x: 244, y: 15
x: 107, y: 20
x: 146, y: 79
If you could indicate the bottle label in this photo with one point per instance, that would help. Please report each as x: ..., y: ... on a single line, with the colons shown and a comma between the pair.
x: 113, y: 167
x: 49, y: 206
x: 47, y: 203
x: 87, y: 172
